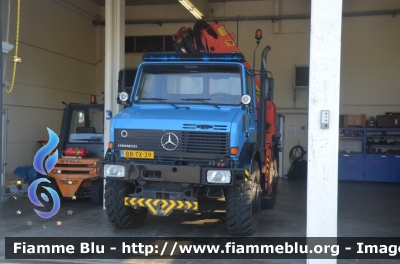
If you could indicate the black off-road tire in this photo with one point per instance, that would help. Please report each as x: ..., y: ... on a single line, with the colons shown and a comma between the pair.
x: 243, y: 203
x: 119, y: 215
x: 96, y: 192
x: 270, y: 203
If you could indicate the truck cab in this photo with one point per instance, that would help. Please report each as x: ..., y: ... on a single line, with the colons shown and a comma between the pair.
x: 190, y: 126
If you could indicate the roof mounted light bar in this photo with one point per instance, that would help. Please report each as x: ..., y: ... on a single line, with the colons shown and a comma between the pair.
x: 215, y: 57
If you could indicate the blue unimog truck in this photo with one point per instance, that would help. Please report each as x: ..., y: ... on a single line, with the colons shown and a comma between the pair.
x: 192, y: 124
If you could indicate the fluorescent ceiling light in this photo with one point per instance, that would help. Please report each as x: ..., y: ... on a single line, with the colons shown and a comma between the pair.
x: 195, y: 14
x: 192, y: 9
x: 186, y: 5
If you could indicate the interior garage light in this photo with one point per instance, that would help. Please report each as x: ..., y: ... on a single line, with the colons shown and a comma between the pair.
x: 192, y: 9
x: 186, y: 5
x: 196, y: 15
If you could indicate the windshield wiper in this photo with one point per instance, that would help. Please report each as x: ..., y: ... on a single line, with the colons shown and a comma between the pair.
x: 161, y: 100
x: 201, y: 100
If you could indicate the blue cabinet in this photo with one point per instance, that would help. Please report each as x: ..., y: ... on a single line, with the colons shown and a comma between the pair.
x: 351, y: 167
x: 377, y: 168
x: 395, y: 169
x: 372, y: 154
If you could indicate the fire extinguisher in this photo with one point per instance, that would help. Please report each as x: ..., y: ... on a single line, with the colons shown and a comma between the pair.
x: 77, y: 152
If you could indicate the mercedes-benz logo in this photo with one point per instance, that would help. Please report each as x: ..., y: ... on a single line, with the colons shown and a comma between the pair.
x: 124, y: 133
x: 169, y: 141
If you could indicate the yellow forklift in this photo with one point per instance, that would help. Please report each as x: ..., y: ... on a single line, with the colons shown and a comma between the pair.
x: 80, y: 147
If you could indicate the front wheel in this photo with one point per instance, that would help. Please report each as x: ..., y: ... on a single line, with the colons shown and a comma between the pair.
x: 119, y: 215
x: 243, y: 204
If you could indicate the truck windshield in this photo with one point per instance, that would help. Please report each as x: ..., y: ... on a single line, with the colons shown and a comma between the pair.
x: 86, y: 125
x: 184, y: 84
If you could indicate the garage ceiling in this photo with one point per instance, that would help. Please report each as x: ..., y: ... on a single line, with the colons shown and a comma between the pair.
x: 157, y: 2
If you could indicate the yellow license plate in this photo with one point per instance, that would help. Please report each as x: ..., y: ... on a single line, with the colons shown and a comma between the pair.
x: 138, y: 154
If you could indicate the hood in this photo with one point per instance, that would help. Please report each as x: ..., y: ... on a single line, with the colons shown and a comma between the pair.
x: 168, y: 118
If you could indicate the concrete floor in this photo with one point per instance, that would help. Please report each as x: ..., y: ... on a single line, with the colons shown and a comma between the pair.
x: 365, y: 209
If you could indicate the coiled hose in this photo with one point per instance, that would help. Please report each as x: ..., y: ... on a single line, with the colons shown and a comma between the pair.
x: 296, y: 154
x: 296, y: 157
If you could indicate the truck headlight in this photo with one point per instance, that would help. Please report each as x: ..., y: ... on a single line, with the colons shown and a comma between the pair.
x: 218, y: 176
x: 114, y: 170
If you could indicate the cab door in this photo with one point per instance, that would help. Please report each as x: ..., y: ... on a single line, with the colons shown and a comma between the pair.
x: 251, y: 111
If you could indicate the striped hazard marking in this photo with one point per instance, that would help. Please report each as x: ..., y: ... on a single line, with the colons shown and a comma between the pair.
x: 161, y: 206
x: 267, y: 165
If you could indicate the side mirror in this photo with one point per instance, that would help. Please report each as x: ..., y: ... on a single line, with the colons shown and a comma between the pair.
x: 121, y: 81
x: 122, y: 95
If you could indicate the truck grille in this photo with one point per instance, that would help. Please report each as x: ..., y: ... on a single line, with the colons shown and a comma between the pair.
x: 204, y: 142
x: 192, y: 144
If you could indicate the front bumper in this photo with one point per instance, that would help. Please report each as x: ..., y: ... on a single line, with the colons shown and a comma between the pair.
x: 172, y: 173
x: 161, y: 207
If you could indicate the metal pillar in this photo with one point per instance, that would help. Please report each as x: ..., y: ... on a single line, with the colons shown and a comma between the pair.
x: 114, y: 60
x: 324, y: 90
x: 1, y: 117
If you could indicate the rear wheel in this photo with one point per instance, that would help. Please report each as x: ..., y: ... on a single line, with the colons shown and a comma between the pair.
x: 243, y: 204
x: 96, y: 192
x: 119, y: 215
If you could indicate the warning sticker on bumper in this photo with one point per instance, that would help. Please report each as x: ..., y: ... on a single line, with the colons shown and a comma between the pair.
x: 161, y: 206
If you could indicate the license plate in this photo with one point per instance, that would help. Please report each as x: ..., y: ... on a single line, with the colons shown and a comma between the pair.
x: 138, y: 154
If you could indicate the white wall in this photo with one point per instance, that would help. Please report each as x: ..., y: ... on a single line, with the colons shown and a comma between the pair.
x: 57, y: 47
x: 370, y: 54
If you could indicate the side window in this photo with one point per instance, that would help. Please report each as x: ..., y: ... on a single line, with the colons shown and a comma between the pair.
x: 86, y: 125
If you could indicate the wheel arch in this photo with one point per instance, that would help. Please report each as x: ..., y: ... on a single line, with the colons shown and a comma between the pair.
x: 249, y: 153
